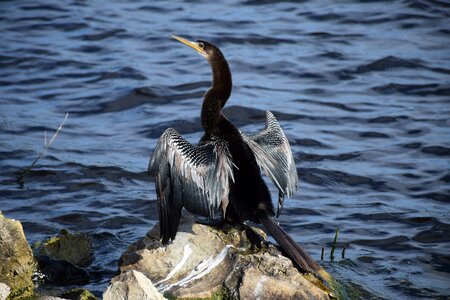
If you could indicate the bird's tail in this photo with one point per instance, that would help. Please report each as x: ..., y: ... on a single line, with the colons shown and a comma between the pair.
x: 293, y: 251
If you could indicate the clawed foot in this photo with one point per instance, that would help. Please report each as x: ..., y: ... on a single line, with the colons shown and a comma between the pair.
x: 256, y: 240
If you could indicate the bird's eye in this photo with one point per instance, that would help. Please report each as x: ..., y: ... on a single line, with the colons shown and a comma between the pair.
x: 201, y: 45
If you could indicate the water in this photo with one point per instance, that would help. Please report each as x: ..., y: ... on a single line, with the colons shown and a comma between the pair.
x: 361, y: 88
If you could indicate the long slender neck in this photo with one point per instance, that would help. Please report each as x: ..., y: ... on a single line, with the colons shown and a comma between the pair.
x: 218, y: 94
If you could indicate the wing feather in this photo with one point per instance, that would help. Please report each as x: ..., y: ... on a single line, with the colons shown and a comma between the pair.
x: 194, y: 177
x: 273, y: 154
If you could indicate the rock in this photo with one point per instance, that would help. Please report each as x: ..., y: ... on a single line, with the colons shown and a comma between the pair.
x: 131, y: 285
x: 61, y: 258
x: 4, y: 291
x: 61, y: 272
x: 73, y: 294
x: 258, y: 286
x: 79, y: 294
x: 16, y: 259
x: 75, y: 248
x: 203, y: 262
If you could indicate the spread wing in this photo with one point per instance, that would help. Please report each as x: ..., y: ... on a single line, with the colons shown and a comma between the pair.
x: 194, y: 177
x: 273, y: 154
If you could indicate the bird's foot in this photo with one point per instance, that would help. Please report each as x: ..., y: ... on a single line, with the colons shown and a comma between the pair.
x: 256, y: 240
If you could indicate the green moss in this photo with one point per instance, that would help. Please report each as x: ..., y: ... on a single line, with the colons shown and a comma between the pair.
x: 79, y: 294
x: 349, y: 291
x: 169, y: 296
x: 52, y: 244
x: 222, y: 294
x: 36, y: 245
x: 64, y: 232
x: 75, y: 248
x: 19, y: 294
x: 334, y: 288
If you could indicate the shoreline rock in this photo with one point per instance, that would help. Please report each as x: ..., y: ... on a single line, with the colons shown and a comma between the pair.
x: 203, y: 263
x: 134, y: 284
x: 61, y: 259
x: 16, y: 259
x: 75, y: 248
x: 18, y: 265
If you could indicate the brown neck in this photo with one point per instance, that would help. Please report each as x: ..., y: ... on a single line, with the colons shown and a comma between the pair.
x: 218, y: 94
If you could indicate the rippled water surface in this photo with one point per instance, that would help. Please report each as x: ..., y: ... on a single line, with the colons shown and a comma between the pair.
x: 361, y: 88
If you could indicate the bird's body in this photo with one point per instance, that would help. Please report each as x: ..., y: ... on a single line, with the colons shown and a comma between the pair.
x: 248, y: 194
x: 223, y: 171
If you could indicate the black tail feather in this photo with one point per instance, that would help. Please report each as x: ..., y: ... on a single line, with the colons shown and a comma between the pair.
x: 301, y: 259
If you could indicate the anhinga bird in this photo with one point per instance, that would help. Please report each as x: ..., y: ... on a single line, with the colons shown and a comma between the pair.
x: 223, y: 171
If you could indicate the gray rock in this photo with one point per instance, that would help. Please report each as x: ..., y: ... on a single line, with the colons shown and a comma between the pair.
x: 16, y: 259
x: 131, y: 285
x: 4, y: 291
x: 203, y: 262
x: 72, y: 247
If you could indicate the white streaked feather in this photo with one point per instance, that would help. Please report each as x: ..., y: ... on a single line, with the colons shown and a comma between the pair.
x: 273, y: 154
x: 203, y: 173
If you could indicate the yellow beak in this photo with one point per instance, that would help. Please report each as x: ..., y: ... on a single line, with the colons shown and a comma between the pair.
x: 189, y: 43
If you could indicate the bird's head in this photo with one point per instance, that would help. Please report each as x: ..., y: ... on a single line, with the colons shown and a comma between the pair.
x: 204, y: 48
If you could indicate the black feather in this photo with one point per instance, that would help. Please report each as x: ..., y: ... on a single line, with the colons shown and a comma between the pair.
x: 301, y: 259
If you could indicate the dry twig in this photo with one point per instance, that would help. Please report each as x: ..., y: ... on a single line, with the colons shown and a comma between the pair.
x: 47, y: 145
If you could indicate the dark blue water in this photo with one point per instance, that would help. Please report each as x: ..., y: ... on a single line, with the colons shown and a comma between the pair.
x: 362, y: 90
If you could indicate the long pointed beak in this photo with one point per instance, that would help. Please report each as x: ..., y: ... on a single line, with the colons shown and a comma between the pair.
x: 189, y: 43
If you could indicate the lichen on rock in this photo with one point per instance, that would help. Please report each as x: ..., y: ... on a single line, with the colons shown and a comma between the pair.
x: 75, y: 248
x: 16, y: 259
x: 79, y: 294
